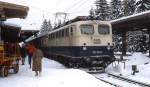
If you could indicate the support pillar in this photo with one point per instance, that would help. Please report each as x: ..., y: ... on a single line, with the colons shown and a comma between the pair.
x: 149, y: 42
x: 124, y: 43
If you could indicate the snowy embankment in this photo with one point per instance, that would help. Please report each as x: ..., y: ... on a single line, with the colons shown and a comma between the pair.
x: 53, y: 75
x: 143, y: 66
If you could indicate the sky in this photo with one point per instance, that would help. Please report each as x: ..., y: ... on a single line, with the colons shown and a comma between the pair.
x: 46, y: 9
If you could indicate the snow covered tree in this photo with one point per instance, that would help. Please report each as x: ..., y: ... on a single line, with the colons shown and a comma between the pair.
x: 117, y: 39
x: 44, y: 26
x: 142, y: 5
x: 102, y: 10
x: 49, y: 25
x: 116, y: 9
x: 137, y: 41
x: 129, y: 7
x: 92, y: 13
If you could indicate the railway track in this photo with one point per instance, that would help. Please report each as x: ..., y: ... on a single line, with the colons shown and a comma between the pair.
x: 119, y: 81
x: 130, y: 80
x: 111, y: 83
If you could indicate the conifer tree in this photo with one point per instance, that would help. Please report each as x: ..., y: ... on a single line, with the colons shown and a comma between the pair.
x: 102, y: 10
x: 129, y: 7
x: 49, y: 25
x: 142, y: 5
x: 44, y: 26
x: 116, y: 9
x: 92, y: 13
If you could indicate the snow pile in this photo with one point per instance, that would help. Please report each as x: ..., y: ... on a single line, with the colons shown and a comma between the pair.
x: 53, y: 75
x: 140, y: 60
x: 137, y: 59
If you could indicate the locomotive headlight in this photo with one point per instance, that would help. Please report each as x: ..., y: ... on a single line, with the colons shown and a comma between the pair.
x: 84, y: 48
x: 108, y: 47
x: 87, y: 59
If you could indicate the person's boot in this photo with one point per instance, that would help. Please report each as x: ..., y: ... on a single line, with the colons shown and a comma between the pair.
x: 36, y: 73
x: 30, y: 66
x: 40, y: 74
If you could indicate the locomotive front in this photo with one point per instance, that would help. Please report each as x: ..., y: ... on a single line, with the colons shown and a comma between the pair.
x: 94, y: 45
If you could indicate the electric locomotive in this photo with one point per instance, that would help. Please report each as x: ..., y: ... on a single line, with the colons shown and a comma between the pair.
x: 80, y: 43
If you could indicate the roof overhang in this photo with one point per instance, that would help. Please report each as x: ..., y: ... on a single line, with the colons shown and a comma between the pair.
x: 9, y: 10
x: 134, y: 22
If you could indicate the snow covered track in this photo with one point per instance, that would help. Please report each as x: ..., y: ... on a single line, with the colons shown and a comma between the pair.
x: 130, y: 80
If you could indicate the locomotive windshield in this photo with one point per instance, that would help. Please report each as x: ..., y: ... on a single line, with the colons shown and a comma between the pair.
x: 87, y: 29
x: 103, y: 29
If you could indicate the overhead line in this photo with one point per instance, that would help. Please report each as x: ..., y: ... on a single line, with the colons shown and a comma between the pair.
x: 72, y: 5
x: 79, y: 4
x: 40, y: 9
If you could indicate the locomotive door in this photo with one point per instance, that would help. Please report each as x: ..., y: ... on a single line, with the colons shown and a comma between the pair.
x: 71, y: 35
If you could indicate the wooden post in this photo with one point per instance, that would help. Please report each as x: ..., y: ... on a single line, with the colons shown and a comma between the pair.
x: 2, y: 18
x: 124, y: 43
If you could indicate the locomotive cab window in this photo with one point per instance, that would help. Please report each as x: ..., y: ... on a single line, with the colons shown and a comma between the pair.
x: 87, y: 29
x: 103, y: 29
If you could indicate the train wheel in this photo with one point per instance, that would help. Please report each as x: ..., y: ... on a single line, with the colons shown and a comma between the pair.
x: 4, y: 71
x: 16, y: 68
x: 70, y: 65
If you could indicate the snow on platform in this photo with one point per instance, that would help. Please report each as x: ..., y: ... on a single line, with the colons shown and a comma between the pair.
x: 143, y: 66
x: 53, y: 75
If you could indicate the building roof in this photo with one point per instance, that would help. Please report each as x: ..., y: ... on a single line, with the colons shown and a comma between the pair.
x: 9, y: 10
x: 133, y: 22
x: 10, y: 33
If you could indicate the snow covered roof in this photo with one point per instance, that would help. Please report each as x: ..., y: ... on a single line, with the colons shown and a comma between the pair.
x: 11, y: 24
x: 132, y: 17
x: 9, y: 10
x: 136, y: 21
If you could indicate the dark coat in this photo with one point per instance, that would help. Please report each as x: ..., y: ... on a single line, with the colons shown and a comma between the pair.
x: 23, y: 52
x: 37, y: 60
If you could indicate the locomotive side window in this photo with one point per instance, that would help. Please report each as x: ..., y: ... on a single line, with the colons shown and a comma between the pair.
x: 59, y: 34
x: 56, y: 34
x: 52, y: 35
x: 87, y: 29
x: 71, y: 31
x: 63, y: 33
x: 67, y: 32
x: 103, y: 29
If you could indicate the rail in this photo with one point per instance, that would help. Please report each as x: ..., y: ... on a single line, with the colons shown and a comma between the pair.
x: 130, y: 80
x: 116, y: 85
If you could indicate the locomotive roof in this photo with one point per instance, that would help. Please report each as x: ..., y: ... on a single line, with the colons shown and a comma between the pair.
x: 77, y: 19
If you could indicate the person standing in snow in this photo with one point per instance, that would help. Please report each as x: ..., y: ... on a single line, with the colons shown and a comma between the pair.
x: 23, y: 52
x: 37, y: 61
x: 31, y: 50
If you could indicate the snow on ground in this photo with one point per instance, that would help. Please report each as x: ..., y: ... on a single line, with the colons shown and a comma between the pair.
x: 53, y: 75
x: 140, y: 60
